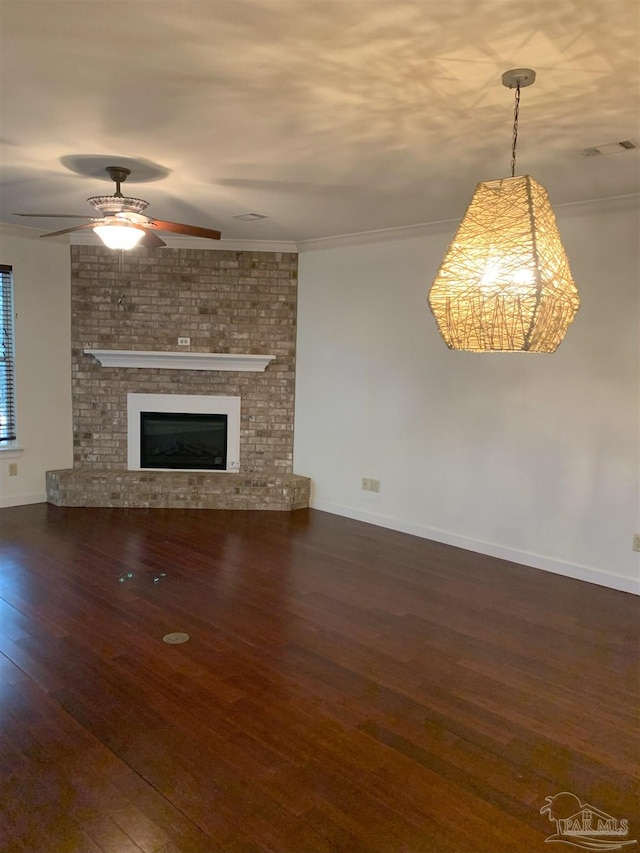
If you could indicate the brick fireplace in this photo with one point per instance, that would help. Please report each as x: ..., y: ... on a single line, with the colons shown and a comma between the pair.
x: 224, y: 302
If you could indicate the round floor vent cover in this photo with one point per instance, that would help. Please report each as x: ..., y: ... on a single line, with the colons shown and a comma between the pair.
x: 175, y: 638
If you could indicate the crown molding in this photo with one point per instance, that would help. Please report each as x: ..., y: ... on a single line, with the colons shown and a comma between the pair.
x: 609, y: 204
x: 27, y: 232
x: 364, y: 238
x: 24, y: 231
x: 629, y: 201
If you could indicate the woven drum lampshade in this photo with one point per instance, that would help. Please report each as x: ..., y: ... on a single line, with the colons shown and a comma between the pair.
x: 505, y: 283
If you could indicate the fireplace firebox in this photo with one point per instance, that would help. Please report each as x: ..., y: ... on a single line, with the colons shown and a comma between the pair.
x: 183, y: 441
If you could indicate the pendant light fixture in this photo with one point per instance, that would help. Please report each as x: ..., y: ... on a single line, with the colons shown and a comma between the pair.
x: 505, y: 284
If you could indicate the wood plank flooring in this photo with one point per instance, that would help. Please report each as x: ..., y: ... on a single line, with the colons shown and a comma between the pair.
x: 345, y: 688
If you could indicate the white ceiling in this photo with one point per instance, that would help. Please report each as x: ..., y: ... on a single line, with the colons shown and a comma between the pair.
x: 328, y: 116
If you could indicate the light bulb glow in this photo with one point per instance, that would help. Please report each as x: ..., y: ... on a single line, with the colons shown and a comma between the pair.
x: 507, y: 275
x: 118, y: 235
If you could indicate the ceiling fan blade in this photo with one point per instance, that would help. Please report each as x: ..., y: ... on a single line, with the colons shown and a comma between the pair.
x: 68, y: 230
x: 151, y: 240
x: 55, y: 215
x: 179, y: 228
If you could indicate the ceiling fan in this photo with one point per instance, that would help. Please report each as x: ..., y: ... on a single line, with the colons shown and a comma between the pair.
x: 121, y: 223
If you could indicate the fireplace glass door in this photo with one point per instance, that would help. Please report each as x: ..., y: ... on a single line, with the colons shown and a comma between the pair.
x: 183, y: 441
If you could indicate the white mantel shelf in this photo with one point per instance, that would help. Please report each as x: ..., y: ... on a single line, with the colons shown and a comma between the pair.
x: 181, y: 360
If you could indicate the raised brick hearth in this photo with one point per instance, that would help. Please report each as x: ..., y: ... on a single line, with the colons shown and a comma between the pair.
x: 177, y: 489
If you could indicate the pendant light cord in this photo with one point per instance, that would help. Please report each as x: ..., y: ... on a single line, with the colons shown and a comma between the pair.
x: 516, y: 113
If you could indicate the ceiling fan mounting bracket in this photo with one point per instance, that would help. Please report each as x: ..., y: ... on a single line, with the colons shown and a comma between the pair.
x: 118, y: 175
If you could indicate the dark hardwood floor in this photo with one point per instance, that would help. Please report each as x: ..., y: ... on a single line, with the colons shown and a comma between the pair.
x: 345, y: 688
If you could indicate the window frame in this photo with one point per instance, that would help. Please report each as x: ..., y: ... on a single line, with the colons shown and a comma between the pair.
x: 8, y: 433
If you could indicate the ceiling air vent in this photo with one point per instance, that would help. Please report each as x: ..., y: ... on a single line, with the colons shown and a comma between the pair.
x: 250, y: 217
x: 610, y: 148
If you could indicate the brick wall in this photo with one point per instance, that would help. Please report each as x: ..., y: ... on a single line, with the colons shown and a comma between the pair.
x: 240, y: 302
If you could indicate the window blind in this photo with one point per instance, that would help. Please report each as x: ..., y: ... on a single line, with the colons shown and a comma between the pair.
x: 7, y: 366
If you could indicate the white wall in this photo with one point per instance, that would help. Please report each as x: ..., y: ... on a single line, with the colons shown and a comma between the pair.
x: 42, y: 295
x: 531, y: 457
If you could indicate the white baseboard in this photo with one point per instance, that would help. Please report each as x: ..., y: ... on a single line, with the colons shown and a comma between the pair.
x: 22, y: 500
x: 525, y: 558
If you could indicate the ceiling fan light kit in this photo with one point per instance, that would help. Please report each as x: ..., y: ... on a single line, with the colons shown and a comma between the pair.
x: 116, y: 235
x: 505, y: 284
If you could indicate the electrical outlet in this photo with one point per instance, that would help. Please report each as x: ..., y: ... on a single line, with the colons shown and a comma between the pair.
x: 636, y: 541
x: 370, y: 485
x: 13, y: 470
x: 184, y: 342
